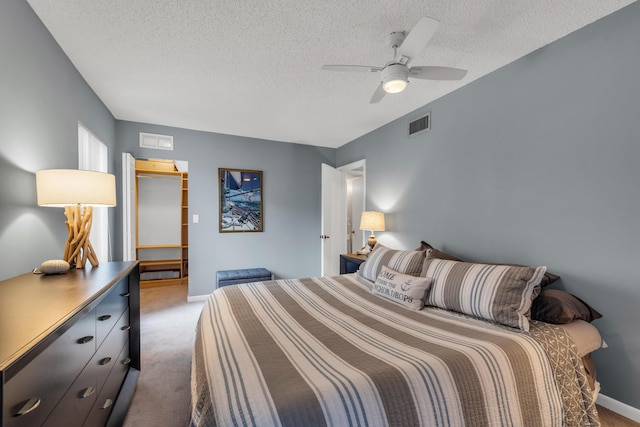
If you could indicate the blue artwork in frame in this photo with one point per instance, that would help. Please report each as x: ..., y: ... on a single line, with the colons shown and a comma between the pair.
x: 240, y: 200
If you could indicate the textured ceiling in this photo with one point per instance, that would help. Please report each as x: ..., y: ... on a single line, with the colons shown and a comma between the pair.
x: 253, y: 68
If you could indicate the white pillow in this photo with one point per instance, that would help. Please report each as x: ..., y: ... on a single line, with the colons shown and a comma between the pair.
x: 404, y: 289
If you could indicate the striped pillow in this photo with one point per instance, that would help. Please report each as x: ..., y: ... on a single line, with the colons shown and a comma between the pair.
x: 498, y: 293
x: 404, y: 262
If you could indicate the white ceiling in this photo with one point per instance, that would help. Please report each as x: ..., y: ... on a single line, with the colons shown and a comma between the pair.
x: 252, y: 68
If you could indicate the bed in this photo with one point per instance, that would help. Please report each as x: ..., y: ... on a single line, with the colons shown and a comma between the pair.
x: 333, y: 351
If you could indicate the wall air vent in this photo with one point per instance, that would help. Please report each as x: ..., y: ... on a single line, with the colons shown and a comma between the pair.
x: 159, y: 142
x: 420, y: 125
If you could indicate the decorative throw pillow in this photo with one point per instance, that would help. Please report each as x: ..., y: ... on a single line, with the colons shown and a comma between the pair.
x: 498, y: 293
x: 432, y: 252
x: 410, y: 291
x: 435, y: 253
x: 559, y: 307
x: 405, y: 262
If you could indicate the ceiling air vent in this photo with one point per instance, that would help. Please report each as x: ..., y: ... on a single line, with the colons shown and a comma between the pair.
x: 420, y: 125
x: 159, y: 142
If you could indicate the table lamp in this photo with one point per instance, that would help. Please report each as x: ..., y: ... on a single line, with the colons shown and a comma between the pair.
x: 77, y: 191
x: 372, y: 221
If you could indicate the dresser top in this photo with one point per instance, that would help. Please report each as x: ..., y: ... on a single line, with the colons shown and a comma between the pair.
x: 32, y: 306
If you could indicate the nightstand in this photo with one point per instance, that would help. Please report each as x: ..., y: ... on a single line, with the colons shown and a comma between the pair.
x: 349, y: 263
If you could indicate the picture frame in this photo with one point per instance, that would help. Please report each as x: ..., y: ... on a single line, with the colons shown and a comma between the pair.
x: 240, y: 200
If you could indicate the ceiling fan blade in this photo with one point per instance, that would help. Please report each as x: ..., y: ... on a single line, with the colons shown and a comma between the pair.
x: 437, y: 73
x: 378, y: 94
x: 416, y: 40
x: 356, y: 68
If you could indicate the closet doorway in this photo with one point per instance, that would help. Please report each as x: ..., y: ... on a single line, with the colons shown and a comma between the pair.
x: 157, y: 215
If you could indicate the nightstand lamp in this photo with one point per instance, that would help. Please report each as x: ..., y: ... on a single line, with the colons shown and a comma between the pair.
x: 372, y: 221
x: 77, y: 191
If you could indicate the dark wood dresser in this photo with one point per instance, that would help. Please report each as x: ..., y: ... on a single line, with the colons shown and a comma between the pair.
x: 70, y: 346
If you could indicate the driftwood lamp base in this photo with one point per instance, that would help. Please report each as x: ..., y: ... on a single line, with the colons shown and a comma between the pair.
x: 78, y: 248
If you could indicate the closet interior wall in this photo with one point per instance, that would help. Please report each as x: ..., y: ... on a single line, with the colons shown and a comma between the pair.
x: 162, y: 202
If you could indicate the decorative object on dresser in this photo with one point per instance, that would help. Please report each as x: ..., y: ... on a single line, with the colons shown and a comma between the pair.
x: 349, y: 263
x: 372, y: 221
x: 54, y: 266
x: 70, y: 346
x: 77, y: 191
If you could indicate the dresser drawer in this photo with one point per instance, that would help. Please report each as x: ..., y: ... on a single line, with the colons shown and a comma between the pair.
x: 77, y: 401
x: 107, y: 355
x: 32, y: 393
x: 109, y: 310
x: 107, y: 397
x: 80, y: 398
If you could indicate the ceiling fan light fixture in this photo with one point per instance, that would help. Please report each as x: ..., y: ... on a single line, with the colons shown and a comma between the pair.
x: 406, y: 47
x: 394, y: 78
x: 394, y: 86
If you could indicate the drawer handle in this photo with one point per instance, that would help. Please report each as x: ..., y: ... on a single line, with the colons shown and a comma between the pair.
x: 126, y: 361
x: 125, y: 295
x: 105, y: 361
x: 31, y: 405
x: 88, y: 392
x: 85, y: 340
x: 105, y: 317
x: 125, y: 328
x: 106, y: 404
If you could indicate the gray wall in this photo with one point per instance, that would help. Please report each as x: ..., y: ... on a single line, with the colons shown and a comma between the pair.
x: 42, y: 98
x: 289, y: 245
x: 536, y: 163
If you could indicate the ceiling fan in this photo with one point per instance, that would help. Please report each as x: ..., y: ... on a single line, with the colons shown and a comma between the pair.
x: 395, y: 74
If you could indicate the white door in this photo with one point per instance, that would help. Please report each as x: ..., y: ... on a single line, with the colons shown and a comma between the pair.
x: 333, y: 220
x: 128, y: 207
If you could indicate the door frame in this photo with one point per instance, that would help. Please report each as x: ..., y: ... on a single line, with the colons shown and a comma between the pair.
x: 359, y: 165
x: 128, y: 207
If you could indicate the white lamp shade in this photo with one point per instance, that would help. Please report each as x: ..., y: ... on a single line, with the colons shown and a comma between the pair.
x: 373, y: 221
x: 64, y: 187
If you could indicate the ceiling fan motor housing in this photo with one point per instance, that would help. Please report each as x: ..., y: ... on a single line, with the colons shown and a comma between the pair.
x: 396, y: 38
x: 395, y: 78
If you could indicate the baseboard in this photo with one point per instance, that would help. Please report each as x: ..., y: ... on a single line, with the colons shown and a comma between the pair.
x: 619, y: 407
x: 196, y: 298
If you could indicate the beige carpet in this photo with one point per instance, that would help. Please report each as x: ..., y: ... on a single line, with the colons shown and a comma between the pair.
x: 167, y: 326
x: 167, y: 329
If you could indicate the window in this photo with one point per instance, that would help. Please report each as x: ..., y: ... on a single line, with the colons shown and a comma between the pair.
x: 93, y: 155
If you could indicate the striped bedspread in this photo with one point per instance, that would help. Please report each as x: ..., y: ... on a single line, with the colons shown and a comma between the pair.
x: 326, y: 351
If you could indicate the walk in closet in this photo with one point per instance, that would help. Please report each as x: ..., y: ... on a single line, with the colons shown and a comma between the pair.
x: 162, y: 202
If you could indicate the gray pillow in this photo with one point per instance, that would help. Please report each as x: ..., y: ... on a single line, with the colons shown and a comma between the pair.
x: 559, y: 307
x: 548, y: 278
x: 498, y: 293
x: 404, y: 262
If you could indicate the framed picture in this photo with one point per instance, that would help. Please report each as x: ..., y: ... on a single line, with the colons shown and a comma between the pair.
x: 240, y: 200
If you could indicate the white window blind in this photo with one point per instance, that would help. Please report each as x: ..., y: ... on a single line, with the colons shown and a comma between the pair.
x: 93, y: 155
